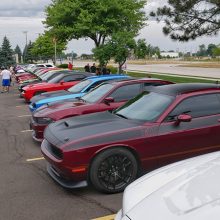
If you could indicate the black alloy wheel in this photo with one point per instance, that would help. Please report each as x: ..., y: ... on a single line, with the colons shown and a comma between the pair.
x: 112, y: 170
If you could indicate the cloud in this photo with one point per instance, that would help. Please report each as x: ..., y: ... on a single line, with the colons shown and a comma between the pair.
x: 23, y: 8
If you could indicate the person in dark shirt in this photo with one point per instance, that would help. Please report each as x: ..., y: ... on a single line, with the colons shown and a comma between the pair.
x: 87, y: 68
x: 93, y: 68
x: 104, y: 70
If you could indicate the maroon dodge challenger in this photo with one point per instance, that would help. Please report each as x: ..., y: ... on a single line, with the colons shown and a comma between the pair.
x: 110, y: 149
x: 108, y: 96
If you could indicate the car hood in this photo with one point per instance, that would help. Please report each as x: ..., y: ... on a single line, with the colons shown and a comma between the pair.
x: 185, y: 190
x: 37, y: 85
x: 97, y: 128
x: 54, y: 108
x: 46, y: 95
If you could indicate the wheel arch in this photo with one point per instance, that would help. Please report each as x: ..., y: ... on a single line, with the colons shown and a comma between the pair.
x: 127, y: 147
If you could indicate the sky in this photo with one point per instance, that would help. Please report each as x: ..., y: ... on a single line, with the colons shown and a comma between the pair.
x: 19, y: 16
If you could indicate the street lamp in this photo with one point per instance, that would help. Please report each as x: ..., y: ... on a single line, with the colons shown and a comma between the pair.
x: 25, y: 51
x: 55, y: 50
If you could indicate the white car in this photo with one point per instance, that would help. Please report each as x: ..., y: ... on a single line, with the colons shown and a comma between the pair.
x: 186, y: 190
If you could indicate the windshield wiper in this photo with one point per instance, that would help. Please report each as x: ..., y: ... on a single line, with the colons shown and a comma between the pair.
x: 120, y: 115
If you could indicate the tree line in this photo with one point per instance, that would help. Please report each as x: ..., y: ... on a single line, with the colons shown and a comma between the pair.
x: 113, y: 26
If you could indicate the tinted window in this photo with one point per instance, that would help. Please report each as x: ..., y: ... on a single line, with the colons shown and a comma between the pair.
x: 47, y: 75
x: 147, y: 106
x: 68, y: 78
x: 197, y: 106
x: 80, y: 86
x: 56, y: 79
x: 126, y: 92
x: 94, y: 85
x: 97, y: 93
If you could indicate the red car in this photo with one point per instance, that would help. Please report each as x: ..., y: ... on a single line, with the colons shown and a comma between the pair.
x: 107, y: 96
x: 109, y: 149
x: 63, y: 81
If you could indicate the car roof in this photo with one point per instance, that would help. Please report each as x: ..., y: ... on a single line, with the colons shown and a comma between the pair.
x: 182, y: 88
x: 124, y: 81
x: 103, y: 77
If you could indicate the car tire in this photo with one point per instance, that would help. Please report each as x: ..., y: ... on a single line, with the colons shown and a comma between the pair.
x: 113, y: 169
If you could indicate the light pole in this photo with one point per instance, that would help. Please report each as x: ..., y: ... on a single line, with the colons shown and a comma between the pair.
x: 26, y: 39
x: 55, y: 50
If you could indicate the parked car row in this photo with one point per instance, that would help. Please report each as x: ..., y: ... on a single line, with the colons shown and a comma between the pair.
x: 107, y: 131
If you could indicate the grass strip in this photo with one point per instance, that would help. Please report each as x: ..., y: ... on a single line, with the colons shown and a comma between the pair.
x: 176, y: 79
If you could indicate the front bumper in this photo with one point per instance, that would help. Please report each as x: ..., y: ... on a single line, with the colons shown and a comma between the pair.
x: 38, y: 130
x: 62, y: 172
x: 64, y: 182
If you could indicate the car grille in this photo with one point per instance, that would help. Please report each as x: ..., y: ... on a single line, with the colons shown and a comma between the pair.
x: 56, y: 152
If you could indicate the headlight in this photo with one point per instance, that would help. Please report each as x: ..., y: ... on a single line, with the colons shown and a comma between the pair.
x: 44, y: 120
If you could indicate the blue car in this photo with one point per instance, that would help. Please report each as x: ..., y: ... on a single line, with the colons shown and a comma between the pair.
x: 74, y: 92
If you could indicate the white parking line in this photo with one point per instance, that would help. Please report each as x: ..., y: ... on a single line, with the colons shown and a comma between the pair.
x: 23, y: 116
x: 108, y: 217
x: 24, y: 131
x: 35, y: 159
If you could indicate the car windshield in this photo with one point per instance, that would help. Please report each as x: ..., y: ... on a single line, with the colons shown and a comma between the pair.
x: 147, y: 106
x: 80, y: 86
x: 97, y: 93
x: 47, y: 75
x: 56, y: 79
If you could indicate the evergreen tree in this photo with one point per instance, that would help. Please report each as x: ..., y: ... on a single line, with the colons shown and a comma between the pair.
x: 29, y: 57
x: 6, y: 53
x: 18, y: 51
x: 188, y: 19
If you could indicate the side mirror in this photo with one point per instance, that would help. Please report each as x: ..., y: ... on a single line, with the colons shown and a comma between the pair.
x: 109, y: 100
x: 183, y: 118
x: 62, y: 82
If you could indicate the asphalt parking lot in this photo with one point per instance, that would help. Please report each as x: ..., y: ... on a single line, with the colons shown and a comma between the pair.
x: 26, y: 190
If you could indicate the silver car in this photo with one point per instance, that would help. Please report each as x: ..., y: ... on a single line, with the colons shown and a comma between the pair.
x: 187, y: 190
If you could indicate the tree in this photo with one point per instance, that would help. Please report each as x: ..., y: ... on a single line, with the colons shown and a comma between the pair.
x: 29, y: 56
x: 18, y: 52
x: 202, y: 51
x: 210, y: 49
x: 189, y: 19
x: 44, y: 47
x: 103, y: 53
x: 6, y: 53
x: 97, y: 19
x: 122, y: 43
x: 216, y: 51
x: 141, y: 49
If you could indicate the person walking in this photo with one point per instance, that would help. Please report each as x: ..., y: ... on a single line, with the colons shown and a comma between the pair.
x: 6, y: 79
x: 70, y: 66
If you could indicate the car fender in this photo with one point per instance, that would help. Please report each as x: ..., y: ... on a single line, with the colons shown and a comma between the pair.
x: 130, y: 148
